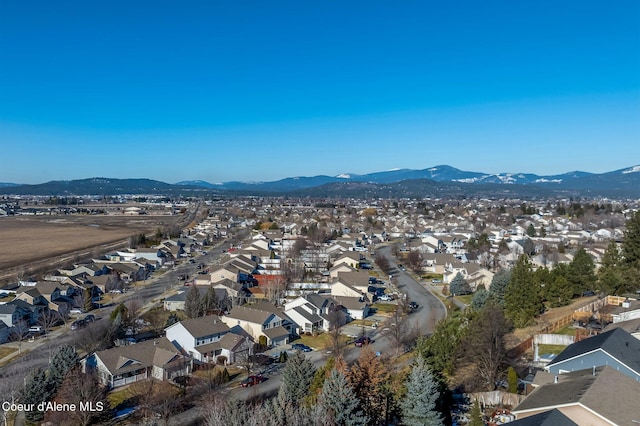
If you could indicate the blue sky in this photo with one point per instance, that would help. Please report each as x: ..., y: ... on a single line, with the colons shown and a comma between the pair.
x: 255, y: 90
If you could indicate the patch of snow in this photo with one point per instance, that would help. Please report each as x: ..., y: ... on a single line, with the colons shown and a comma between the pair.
x: 394, y: 169
x: 633, y: 169
x: 543, y: 180
x: 344, y: 176
x: 466, y: 180
x: 433, y: 169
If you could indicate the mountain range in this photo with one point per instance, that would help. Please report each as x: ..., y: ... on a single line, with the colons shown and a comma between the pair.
x: 441, y: 181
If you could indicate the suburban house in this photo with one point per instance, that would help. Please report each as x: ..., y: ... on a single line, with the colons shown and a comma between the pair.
x: 260, y: 320
x: 355, y: 307
x: 5, y: 332
x: 594, y: 396
x: 198, y: 337
x: 14, y: 312
x: 616, y: 348
x: 123, y: 365
x: 350, y: 258
x: 314, y: 312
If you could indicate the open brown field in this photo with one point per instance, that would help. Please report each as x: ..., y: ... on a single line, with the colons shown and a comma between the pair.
x: 29, y: 239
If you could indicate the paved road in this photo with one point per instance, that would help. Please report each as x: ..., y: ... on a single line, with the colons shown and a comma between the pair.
x: 430, y: 308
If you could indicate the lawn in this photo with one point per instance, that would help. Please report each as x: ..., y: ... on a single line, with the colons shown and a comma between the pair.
x: 384, y: 308
x: 568, y: 330
x: 5, y: 350
x: 117, y: 397
x: 466, y: 299
x: 319, y: 342
x: 551, y: 349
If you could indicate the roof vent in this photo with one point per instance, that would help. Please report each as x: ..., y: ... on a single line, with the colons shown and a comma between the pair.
x: 555, y: 379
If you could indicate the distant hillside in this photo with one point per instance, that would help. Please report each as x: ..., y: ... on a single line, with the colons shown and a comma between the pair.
x: 8, y: 184
x: 100, y: 186
x: 438, y: 181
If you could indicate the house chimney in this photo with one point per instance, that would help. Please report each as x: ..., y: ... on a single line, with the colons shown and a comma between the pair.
x: 594, y: 370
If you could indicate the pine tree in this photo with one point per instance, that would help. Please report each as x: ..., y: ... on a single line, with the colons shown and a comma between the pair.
x: 522, y: 297
x: 192, y: 303
x: 296, y: 378
x: 419, y: 406
x: 441, y: 348
x: 37, y: 389
x: 512, y: 380
x: 581, y: 274
x: 631, y: 243
x: 475, y: 417
x: 499, y: 284
x: 480, y: 298
x: 459, y: 285
x: 531, y: 231
x: 340, y: 401
x: 610, y: 277
x: 64, y: 359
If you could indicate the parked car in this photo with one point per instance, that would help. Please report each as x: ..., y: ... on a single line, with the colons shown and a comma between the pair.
x: 436, y: 281
x: 35, y: 329
x: 300, y: 347
x: 413, y: 306
x: 373, y: 280
x: 363, y: 340
x: 90, y: 318
x: 77, y: 324
x: 386, y: 298
x: 76, y: 311
x: 252, y: 380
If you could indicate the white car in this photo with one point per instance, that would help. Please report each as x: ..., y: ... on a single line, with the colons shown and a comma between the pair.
x: 76, y: 311
x: 386, y: 297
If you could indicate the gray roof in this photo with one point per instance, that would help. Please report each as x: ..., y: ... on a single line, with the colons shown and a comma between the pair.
x: 205, y: 326
x: 249, y: 314
x: 609, y: 393
x: 124, y: 359
x: 548, y: 418
x: 617, y: 343
x: 276, y: 332
x: 312, y: 318
x: 630, y: 326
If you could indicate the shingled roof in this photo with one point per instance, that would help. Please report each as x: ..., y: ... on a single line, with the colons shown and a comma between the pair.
x: 617, y: 343
x: 608, y: 393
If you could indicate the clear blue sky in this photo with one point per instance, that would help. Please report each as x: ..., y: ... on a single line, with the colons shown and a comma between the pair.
x: 262, y: 90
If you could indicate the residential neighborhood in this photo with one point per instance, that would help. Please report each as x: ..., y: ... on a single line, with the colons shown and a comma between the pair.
x: 254, y: 277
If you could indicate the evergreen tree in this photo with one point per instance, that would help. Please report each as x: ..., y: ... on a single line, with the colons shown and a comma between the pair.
x: 581, y: 273
x: 340, y: 402
x: 296, y: 378
x: 419, y: 406
x: 480, y: 298
x: 459, y: 285
x: 512, y: 380
x: 475, y: 417
x: 610, y: 277
x: 64, y: 359
x: 441, y: 348
x: 192, y: 303
x: 522, y: 299
x: 499, y: 284
x: 531, y: 231
x: 631, y: 243
x: 37, y: 389
x: 319, y: 378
